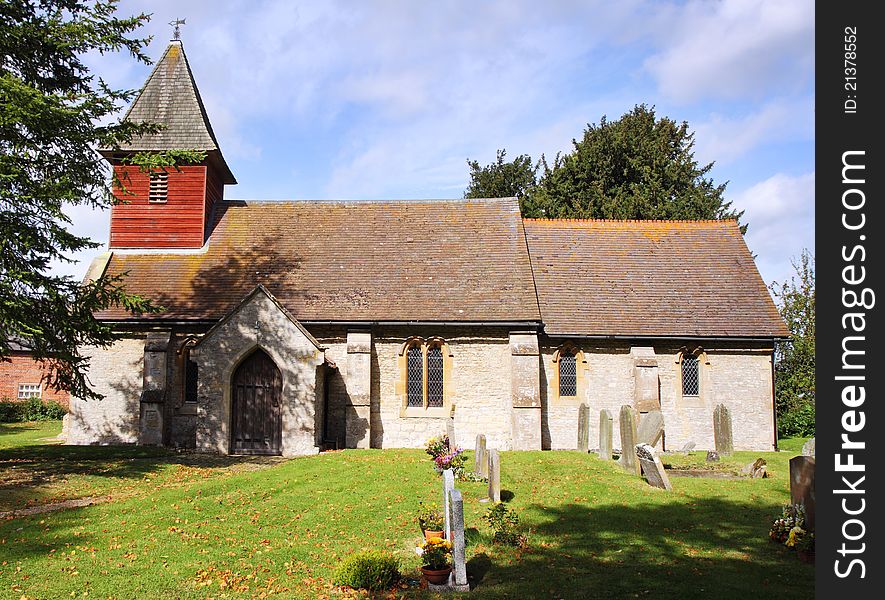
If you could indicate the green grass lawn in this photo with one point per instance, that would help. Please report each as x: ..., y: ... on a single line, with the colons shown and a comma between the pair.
x: 230, y: 528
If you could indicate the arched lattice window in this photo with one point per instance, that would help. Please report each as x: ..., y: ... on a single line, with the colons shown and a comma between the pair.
x: 415, y: 376
x: 435, y: 377
x: 568, y: 373
x: 426, y: 371
x: 691, y: 380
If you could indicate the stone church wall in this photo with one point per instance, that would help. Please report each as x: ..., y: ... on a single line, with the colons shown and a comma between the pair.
x: 738, y: 376
x: 116, y: 373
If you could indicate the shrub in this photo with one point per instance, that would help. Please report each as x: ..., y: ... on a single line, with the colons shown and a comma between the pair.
x: 370, y: 569
x: 797, y: 422
x: 505, y: 522
x: 32, y: 409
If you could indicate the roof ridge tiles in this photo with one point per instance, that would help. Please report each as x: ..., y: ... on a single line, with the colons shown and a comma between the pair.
x: 643, y: 221
x: 282, y: 201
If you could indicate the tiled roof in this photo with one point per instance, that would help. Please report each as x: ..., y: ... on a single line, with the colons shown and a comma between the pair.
x: 170, y: 98
x: 429, y: 260
x: 649, y: 278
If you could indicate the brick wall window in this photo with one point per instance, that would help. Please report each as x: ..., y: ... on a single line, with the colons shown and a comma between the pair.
x: 159, y: 188
x: 29, y: 390
x: 425, y: 366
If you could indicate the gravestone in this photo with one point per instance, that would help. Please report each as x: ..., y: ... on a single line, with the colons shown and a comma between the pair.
x: 605, y: 435
x: 480, y: 460
x: 688, y: 447
x: 755, y: 469
x: 450, y: 430
x: 802, y: 486
x: 808, y: 448
x: 448, y: 486
x: 652, y: 467
x: 712, y: 456
x: 494, y: 476
x: 627, y: 421
x: 651, y: 428
x: 458, y: 577
x: 583, y: 428
x: 722, y: 435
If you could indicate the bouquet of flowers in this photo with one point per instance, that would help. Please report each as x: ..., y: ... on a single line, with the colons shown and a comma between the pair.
x: 445, y: 456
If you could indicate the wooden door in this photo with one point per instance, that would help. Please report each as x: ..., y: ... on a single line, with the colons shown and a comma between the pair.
x: 256, y: 424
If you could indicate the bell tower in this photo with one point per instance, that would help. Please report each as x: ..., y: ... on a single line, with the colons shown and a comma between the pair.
x: 171, y: 209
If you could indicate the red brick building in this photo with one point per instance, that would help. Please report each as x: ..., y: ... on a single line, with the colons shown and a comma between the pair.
x: 22, y: 377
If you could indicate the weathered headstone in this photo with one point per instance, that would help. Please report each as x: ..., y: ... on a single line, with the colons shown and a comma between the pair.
x: 712, y: 456
x: 755, y: 469
x: 450, y: 430
x: 605, y: 435
x: 687, y: 447
x: 448, y: 486
x: 627, y: 421
x: 808, y: 448
x: 651, y: 428
x: 583, y: 428
x: 494, y: 476
x: 480, y: 460
x: 458, y: 577
x: 652, y: 467
x: 722, y: 435
x: 802, y: 486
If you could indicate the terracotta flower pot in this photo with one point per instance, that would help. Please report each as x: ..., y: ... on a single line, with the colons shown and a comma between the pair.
x: 436, y: 576
x: 429, y: 534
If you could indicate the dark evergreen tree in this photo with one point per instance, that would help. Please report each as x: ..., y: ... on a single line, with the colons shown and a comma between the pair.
x: 53, y: 116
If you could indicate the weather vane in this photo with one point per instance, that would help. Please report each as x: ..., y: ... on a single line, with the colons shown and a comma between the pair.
x: 176, y: 32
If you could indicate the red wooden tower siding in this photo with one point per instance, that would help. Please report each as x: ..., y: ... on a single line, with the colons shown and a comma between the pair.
x: 169, y: 209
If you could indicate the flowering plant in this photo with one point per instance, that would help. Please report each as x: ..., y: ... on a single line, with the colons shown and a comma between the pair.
x: 800, y: 539
x: 789, y: 529
x: 445, y: 456
x: 436, y: 553
x: 430, y: 518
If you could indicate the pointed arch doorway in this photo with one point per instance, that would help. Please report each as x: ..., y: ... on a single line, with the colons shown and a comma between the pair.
x: 256, y: 420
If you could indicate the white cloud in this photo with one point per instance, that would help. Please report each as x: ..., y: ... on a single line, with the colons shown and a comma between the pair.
x: 725, y: 138
x: 733, y: 49
x: 780, y: 213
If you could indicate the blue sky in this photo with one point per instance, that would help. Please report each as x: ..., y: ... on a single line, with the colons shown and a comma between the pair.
x: 388, y: 99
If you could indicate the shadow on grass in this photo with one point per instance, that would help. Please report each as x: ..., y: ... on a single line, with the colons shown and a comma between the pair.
x: 709, y: 547
x: 25, y: 469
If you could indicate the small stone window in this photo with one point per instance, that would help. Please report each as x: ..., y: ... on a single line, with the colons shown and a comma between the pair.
x: 567, y: 378
x: 29, y: 390
x: 191, y: 373
x: 415, y: 376
x: 568, y: 373
x: 159, y: 187
x: 425, y: 365
x: 691, y: 380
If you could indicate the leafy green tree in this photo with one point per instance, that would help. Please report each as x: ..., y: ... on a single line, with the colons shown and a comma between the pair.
x: 503, y: 179
x: 53, y: 116
x: 638, y: 167
x: 794, y: 360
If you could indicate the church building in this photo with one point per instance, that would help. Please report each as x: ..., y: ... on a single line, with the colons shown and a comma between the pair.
x: 290, y: 327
